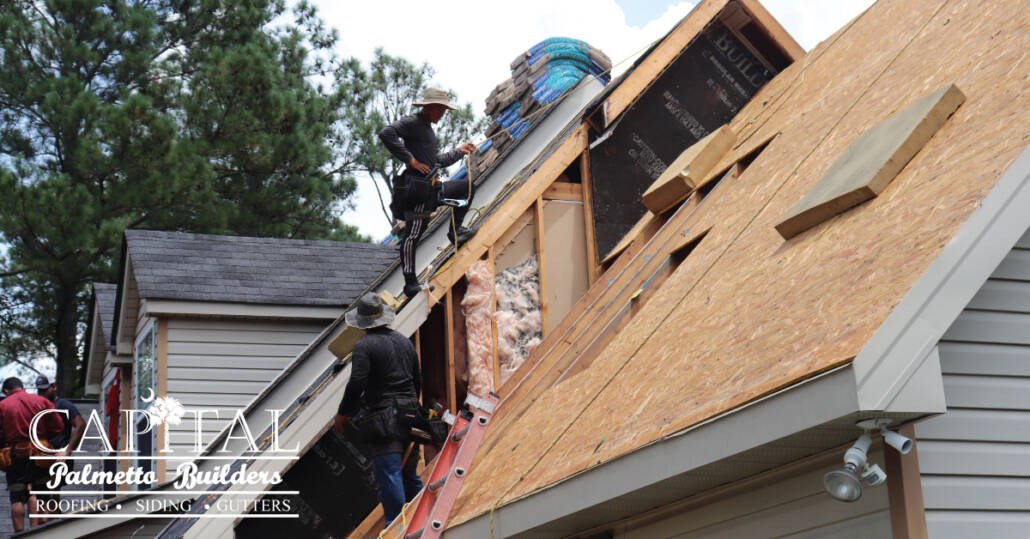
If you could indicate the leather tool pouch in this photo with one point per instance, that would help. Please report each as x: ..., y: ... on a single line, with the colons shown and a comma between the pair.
x: 5, y: 458
x: 376, y: 425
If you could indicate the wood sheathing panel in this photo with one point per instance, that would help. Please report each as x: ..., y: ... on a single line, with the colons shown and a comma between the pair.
x: 747, y: 312
x: 872, y: 161
x: 565, y: 243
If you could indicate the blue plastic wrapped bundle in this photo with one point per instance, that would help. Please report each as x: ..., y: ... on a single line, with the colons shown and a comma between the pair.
x: 540, y: 76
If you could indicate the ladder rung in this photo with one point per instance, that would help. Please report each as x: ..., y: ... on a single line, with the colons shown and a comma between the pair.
x: 457, y: 436
x: 415, y: 535
x: 435, y: 485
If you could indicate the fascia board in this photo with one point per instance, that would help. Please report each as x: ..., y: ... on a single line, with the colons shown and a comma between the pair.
x: 170, y: 307
x: 819, y: 400
x: 896, y: 350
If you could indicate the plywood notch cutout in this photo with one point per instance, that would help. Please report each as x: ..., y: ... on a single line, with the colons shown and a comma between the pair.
x: 872, y: 161
x: 686, y: 172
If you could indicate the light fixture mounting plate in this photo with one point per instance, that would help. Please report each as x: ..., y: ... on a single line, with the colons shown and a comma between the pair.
x: 874, y: 424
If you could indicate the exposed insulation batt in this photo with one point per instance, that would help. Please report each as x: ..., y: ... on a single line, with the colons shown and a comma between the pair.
x: 519, y: 324
x: 477, y: 306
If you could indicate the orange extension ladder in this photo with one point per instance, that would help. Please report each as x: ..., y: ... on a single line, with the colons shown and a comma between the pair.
x: 426, y: 516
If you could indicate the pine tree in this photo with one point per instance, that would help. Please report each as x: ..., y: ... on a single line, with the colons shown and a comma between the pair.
x: 380, y: 94
x: 169, y: 114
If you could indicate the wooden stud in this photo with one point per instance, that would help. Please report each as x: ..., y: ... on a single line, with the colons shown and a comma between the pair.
x: 593, y: 266
x: 161, y: 370
x: 905, y: 490
x: 541, y: 259
x: 520, y: 201
x: 449, y: 330
x: 560, y: 190
x: 495, y: 361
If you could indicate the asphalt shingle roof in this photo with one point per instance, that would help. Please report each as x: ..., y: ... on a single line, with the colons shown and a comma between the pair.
x: 106, y: 294
x: 178, y: 265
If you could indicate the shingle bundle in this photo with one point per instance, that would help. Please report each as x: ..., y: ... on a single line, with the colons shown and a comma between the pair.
x: 539, y: 77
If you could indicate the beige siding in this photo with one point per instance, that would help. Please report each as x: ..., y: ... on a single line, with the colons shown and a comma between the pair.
x: 789, y: 502
x: 975, y: 459
x: 222, y: 365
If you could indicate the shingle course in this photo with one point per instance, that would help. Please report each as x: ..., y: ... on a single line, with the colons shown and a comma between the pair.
x: 178, y: 265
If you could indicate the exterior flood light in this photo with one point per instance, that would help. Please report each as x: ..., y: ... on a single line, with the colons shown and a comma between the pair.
x: 845, y: 484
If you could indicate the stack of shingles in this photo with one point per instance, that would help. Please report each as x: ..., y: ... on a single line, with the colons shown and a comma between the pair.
x: 539, y: 77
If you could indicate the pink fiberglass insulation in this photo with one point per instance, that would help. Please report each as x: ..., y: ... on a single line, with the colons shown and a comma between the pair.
x: 519, y: 324
x: 477, y: 306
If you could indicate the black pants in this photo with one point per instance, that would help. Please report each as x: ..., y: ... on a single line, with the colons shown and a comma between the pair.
x: 418, y: 218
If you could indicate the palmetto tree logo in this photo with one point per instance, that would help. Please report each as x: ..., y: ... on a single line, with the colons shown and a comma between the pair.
x: 164, y: 410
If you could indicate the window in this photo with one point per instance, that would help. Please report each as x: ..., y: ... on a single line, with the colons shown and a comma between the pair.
x: 144, y: 357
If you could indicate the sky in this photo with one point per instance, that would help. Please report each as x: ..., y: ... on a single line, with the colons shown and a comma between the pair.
x: 470, y: 44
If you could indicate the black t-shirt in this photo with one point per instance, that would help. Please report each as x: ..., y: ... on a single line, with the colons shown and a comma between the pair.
x: 62, y: 439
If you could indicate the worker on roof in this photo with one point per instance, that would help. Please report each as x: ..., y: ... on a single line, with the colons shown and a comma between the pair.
x: 381, y: 400
x: 416, y: 194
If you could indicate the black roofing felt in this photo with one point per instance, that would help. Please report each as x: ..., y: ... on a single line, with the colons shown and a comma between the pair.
x: 178, y: 265
x: 105, y: 296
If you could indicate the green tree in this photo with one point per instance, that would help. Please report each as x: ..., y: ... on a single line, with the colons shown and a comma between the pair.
x: 379, y: 95
x: 168, y: 114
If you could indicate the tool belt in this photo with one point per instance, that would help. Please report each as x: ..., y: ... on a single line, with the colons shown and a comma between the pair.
x: 395, y: 421
x: 411, y: 188
x: 23, y: 450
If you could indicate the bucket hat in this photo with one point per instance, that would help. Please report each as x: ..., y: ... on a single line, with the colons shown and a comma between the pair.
x: 369, y: 312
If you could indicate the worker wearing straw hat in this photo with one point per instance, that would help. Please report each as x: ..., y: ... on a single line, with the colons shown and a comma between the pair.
x: 412, y: 140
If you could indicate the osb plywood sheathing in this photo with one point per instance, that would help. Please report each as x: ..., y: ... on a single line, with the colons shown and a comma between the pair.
x: 590, y: 315
x: 526, y: 474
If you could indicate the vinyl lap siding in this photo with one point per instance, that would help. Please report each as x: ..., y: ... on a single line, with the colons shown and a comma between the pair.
x: 975, y: 460
x: 222, y: 365
x: 785, y: 503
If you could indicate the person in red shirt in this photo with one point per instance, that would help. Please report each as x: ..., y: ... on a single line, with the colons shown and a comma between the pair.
x: 16, y: 413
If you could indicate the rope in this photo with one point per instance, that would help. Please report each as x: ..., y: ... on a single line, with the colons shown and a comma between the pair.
x: 703, y: 274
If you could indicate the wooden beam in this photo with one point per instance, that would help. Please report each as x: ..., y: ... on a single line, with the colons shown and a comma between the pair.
x: 541, y: 259
x: 768, y: 23
x: 560, y: 190
x: 905, y: 490
x: 659, y: 58
x: 566, y: 152
x: 593, y: 265
x: 449, y: 331
x: 494, y: 360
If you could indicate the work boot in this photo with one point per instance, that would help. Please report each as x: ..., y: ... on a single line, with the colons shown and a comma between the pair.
x: 412, y: 287
x: 464, y: 234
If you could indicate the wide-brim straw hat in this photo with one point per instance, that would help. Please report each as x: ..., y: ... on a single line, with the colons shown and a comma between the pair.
x: 369, y: 312
x: 436, y: 96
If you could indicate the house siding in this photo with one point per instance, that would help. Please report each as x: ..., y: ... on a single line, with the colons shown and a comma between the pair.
x: 975, y: 459
x: 222, y: 365
x: 785, y: 503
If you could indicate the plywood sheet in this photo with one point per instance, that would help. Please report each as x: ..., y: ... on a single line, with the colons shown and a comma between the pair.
x: 687, y: 171
x: 565, y: 243
x: 746, y: 313
x: 872, y: 161
x: 518, y: 250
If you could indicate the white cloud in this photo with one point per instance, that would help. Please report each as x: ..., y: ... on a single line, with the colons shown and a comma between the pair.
x: 470, y: 44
